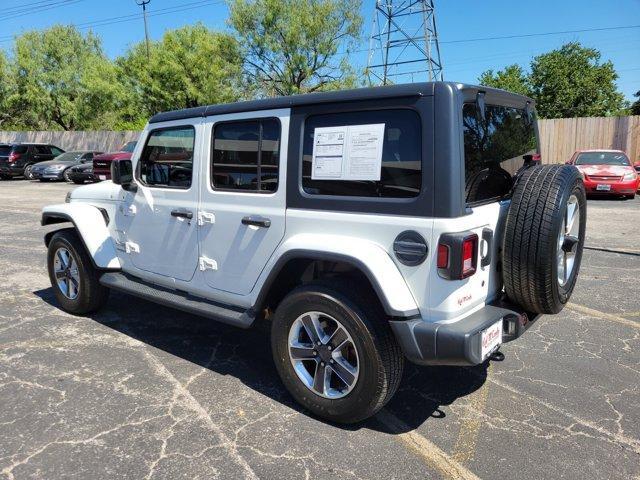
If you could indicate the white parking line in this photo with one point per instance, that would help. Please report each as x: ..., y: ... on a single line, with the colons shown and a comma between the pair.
x: 604, y: 316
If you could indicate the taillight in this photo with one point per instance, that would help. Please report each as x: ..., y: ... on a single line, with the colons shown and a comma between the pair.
x: 443, y: 256
x: 457, y: 255
x: 469, y: 255
x: 14, y: 157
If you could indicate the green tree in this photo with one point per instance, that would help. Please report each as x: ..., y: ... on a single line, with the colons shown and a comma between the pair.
x: 291, y: 46
x: 635, y: 106
x: 5, y: 89
x: 63, y: 80
x: 190, y: 66
x: 572, y: 82
x: 512, y: 78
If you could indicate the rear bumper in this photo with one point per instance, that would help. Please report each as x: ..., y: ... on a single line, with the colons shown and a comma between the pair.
x: 458, y: 343
x: 11, y: 171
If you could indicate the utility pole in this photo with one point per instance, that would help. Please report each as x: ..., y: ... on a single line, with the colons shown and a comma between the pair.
x: 143, y: 4
x: 404, y: 43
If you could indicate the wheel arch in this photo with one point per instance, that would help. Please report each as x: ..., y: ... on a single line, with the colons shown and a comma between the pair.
x: 384, y: 278
x: 90, y: 223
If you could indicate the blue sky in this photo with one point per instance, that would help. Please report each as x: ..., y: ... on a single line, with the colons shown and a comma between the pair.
x: 456, y: 20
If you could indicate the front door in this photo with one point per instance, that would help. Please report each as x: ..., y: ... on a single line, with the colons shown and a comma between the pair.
x: 242, y: 201
x: 157, y: 226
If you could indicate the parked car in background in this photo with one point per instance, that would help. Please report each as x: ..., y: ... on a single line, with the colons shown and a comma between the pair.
x: 606, y: 172
x: 17, y: 159
x: 102, y: 163
x: 81, y: 173
x: 58, y: 168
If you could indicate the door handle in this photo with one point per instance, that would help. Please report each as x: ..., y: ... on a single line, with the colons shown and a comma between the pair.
x: 256, y: 221
x: 182, y: 213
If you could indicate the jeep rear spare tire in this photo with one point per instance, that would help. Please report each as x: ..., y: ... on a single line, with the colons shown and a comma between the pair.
x: 544, y: 237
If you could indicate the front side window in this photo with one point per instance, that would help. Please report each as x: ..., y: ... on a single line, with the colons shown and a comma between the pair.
x: 246, y: 155
x: 495, y: 148
x: 167, y: 158
x: 398, y: 174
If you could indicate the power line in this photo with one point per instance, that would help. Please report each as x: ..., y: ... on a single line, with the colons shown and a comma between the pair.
x: 505, y: 37
x: 135, y: 16
x: 30, y: 11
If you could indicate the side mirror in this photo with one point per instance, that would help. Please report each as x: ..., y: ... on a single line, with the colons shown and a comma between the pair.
x: 122, y: 174
x: 637, y: 167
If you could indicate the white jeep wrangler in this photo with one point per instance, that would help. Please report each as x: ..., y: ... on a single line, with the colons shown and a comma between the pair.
x: 367, y: 226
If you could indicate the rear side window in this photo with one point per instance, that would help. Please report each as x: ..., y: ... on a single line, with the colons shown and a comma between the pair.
x: 43, y: 149
x: 5, y: 149
x: 400, y: 173
x: 167, y: 158
x: 56, y: 151
x: 246, y: 155
x: 495, y: 149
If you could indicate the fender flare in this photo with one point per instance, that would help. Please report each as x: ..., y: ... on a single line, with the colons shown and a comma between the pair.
x: 369, y: 258
x: 90, y: 223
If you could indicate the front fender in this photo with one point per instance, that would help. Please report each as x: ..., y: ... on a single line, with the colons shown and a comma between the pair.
x: 368, y: 257
x: 90, y: 224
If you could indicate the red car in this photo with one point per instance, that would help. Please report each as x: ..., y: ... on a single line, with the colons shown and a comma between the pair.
x: 606, y: 172
x: 102, y: 163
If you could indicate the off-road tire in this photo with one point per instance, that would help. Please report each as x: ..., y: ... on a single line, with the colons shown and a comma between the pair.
x: 381, y: 363
x: 531, y: 232
x: 91, y: 294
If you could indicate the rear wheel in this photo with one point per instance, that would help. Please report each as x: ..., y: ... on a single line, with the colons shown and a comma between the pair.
x: 335, y: 353
x: 74, y: 279
x: 544, y: 237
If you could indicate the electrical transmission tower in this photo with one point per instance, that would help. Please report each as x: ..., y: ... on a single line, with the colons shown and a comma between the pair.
x: 404, y: 43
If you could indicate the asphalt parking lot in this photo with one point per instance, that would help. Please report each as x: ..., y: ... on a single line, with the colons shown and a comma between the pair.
x: 142, y: 391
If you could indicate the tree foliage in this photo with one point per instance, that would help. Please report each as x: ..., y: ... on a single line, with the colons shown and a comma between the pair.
x: 62, y: 79
x: 190, y: 66
x: 512, y: 79
x: 635, y: 106
x: 567, y: 82
x: 292, y: 46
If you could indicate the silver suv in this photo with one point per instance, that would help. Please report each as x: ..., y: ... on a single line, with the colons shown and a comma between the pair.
x: 367, y: 226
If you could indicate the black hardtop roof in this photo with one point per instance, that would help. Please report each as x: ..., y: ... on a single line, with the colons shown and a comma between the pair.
x: 369, y: 93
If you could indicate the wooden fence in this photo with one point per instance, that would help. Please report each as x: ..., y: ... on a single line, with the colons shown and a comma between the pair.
x: 559, y: 138
x: 104, y: 141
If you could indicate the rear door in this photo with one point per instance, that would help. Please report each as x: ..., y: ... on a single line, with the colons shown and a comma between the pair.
x: 242, y: 201
x: 42, y: 153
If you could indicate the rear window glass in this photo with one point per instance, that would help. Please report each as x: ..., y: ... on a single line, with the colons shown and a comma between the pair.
x: 401, y: 167
x: 602, y: 158
x: 495, y: 149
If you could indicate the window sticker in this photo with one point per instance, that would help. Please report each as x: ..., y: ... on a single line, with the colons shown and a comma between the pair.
x: 347, y: 152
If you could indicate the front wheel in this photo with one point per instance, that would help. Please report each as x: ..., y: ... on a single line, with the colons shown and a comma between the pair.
x: 74, y: 279
x: 335, y: 353
x: 27, y: 172
x: 65, y: 176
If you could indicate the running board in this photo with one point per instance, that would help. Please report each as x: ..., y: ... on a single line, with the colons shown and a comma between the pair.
x: 177, y: 299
